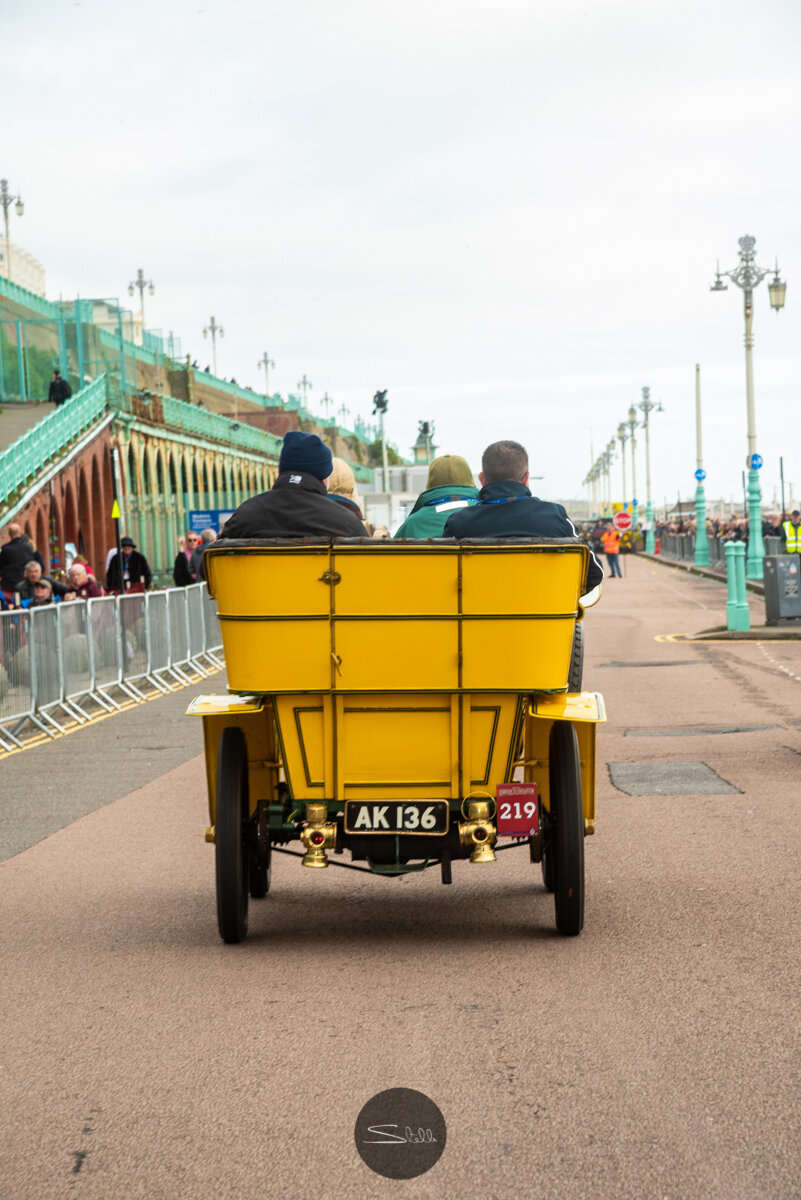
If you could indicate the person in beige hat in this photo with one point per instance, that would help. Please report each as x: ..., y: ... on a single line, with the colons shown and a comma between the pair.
x: 342, y: 489
x: 449, y: 487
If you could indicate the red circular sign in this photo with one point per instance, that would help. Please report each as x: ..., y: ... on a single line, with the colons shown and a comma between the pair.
x: 622, y: 521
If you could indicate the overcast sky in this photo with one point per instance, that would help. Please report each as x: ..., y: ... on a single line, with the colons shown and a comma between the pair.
x: 507, y: 214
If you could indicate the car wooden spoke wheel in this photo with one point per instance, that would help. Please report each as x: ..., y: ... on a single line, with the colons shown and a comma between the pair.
x: 567, y: 832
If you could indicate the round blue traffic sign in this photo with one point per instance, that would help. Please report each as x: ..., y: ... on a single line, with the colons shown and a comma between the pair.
x: 756, y: 462
x: 700, y: 474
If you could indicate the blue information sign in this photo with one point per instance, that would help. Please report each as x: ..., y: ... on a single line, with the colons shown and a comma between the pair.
x: 700, y: 474
x: 756, y: 462
x: 634, y: 503
x: 211, y: 518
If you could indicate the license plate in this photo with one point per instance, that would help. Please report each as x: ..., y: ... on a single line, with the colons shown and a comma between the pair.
x: 427, y: 817
x: 518, y: 813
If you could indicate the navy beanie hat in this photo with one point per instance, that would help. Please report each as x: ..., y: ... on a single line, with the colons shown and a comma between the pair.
x: 304, y: 452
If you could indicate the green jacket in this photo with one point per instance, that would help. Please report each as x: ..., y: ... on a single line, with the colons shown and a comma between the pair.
x: 432, y: 509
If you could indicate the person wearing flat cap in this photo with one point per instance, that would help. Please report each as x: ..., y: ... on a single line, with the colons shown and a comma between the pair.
x: 136, y: 573
x: 449, y: 487
x: 298, y: 504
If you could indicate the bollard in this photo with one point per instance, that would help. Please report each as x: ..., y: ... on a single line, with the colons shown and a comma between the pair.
x: 737, y: 615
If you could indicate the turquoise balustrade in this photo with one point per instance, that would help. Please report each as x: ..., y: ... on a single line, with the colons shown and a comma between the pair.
x: 29, y: 454
x: 189, y: 418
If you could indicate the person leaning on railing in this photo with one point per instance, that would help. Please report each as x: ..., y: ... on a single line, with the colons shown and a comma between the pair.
x: 791, y: 532
x: 135, y: 572
x: 81, y: 586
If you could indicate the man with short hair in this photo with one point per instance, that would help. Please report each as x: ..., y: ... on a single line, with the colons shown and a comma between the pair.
x: 791, y: 532
x: 182, y: 570
x: 33, y: 573
x: 207, y: 536
x: 506, y: 507
x: 297, y: 505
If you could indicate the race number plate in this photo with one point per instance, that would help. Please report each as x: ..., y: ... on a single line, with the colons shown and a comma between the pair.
x: 518, y: 813
x: 397, y: 816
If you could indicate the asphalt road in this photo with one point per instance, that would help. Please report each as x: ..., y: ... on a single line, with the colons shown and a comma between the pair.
x: 655, y: 1056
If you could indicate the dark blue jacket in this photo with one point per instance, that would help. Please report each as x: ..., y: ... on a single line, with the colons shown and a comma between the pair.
x: 508, y: 509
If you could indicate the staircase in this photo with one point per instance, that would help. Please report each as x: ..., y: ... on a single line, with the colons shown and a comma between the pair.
x: 16, y: 419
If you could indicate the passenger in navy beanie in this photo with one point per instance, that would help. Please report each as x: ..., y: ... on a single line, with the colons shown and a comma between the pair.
x: 304, y: 453
x: 297, y: 504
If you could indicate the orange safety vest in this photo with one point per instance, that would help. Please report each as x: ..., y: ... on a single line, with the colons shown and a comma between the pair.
x: 611, y: 541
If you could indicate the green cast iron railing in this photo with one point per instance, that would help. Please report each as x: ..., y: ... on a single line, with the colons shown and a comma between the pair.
x: 25, y: 458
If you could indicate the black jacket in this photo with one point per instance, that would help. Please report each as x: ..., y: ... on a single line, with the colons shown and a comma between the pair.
x: 509, y: 510
x: 14, y: 557
x: 297, y: 505
x: 138, y: 571
x: 181, y: 572
x: 59, y: 391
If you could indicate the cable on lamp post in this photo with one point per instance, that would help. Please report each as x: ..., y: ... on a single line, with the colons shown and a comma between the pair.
x: 622, y: 435
x: 646, y: 407
x: 141, y: 283
x: 6, y: 199
x: 701, y: 543
x: 747, y: 275
x: 213, y: 328
x: 266, y: 362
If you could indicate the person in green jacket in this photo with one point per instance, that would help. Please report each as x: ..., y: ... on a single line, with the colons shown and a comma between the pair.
x: 449, y: 487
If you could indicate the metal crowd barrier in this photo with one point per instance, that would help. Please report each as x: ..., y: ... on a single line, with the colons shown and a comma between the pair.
x: 681, y: 546
x: 56, y: 659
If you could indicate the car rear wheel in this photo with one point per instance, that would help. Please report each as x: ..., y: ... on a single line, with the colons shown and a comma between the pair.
x: 230, y: 835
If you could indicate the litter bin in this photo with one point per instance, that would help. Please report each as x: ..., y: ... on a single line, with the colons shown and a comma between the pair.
x: 782, y: 591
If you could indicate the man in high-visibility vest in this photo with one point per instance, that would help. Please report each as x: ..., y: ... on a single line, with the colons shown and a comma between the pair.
x: 791, y: 532
x: 611, y: 542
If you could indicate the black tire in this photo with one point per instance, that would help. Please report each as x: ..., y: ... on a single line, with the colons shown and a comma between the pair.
x: 576, y: 671
x: 260, y: 877
x: 547, y: 870
x: 567, y: 829
x: 230, y: 831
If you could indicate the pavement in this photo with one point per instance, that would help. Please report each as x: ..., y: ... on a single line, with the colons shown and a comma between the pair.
x: 657, y: 1055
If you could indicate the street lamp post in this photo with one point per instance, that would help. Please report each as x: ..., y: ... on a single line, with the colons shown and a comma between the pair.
x: 622, y: 434
x: 647, y: 406
x: 380, y: 406
x: 141, y: 283
x: 266, y: 362
x: 632, y: 423
x: 303, y: 386
x: 701, y: 543
x: 6, y: 199
x: 747, y: 275
x: 213, y: 328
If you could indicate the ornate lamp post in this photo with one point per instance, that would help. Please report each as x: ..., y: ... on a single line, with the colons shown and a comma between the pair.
x: 213, y: 328
x: 747, y: 275
x: 622, y: 434
x: 646, y: 407
x: 701, y: 544
x: 632, y: 423
x: 380, y: 406
x: 303, y: 386
x: 266, y: 362
x: 6, y: 199
x: 141, y: 283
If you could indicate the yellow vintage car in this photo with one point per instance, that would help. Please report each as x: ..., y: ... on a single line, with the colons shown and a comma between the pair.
x: 408, y: 703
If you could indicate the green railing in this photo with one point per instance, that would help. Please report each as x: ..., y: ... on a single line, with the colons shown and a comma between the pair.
x: 29, y: 300
x: 189, y: 418
x: 25, y: 458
